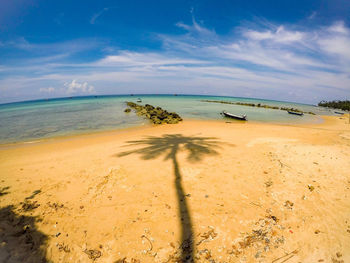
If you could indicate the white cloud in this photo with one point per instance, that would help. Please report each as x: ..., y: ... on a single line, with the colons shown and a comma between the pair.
x: 127, y: 58
x: 75, y: 87
x: 338, y: 27
x: 195, y: 28
x: 335, y: 40
x: 312, y: 15
x: 97, y: 15
x: 268, y: 63
x: 339, y: 46
x: 47, y: 90
x: 279, y: 35
x: 53, y: 49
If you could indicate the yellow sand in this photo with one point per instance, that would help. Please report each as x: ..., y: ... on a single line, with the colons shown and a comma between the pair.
x: 247, y: 192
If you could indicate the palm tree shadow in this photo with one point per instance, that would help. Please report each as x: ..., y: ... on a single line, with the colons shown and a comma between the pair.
x: 169, y: 145
x: 21, y: 240
x: 4, y: 190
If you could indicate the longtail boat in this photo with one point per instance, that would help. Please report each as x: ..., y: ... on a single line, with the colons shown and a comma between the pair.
x: 237, y: 117
x: 296, y: 113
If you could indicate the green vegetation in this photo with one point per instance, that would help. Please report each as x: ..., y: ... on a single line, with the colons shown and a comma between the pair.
x: 258, y: 106
x: 156, y: 115
x: 336, y: 104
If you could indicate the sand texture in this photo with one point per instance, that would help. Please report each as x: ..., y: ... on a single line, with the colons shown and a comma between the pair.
x: 205, y: 191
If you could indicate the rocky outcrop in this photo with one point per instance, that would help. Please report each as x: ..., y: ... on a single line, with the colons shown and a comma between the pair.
x: 258, y: 106
x: 156, y: 114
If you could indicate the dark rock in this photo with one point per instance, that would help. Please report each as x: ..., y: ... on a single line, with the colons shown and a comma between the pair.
x: 258, y: 105
x: 155, y: 115
x: 93, y: 253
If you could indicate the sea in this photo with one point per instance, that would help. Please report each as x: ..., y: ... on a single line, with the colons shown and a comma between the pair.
x: 32, y: 121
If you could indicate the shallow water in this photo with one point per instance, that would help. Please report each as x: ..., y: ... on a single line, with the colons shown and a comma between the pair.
x: 32, y: 120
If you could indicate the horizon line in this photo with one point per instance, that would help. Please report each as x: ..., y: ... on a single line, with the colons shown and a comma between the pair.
x: 146, y: 94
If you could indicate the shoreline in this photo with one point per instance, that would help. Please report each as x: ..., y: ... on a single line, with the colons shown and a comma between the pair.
x: 60, y: 117
x: 147, y: 125
x: 210, y: 189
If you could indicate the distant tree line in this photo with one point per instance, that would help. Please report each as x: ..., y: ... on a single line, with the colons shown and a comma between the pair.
x: 336, y: 104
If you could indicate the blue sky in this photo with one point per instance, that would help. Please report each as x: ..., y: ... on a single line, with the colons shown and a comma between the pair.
x: 284, y: 50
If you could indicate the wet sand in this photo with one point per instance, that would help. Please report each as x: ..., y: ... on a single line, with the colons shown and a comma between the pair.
x: 203, y: 190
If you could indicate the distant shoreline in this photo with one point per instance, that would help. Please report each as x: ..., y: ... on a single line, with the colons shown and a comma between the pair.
x: 33, y: 120
x: 135, y: 95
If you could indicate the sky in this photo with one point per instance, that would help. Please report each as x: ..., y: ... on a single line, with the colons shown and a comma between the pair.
x: 287, y: 50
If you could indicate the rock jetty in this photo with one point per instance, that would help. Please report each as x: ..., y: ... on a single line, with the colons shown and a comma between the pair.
x: 258, y: 106
x: 155, y: 114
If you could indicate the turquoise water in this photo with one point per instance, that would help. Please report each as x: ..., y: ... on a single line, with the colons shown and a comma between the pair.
x: 33, y: 120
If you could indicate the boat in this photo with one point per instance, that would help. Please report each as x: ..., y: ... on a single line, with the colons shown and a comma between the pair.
x: 237, y: 117
x: 296, y: 113
x: 139, y: 100
x: 338, y: 112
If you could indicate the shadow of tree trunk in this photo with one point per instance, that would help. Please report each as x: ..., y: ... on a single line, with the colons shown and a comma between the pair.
x: 169, y: 145
x: 185, y: 217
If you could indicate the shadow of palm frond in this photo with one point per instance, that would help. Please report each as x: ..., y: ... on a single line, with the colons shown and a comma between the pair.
x: 36, y: 192
x: 196, y: 146
x: 3, y: 191
x: 169, y: 145
x: 21, y: 240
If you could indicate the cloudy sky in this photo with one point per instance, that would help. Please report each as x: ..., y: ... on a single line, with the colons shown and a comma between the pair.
x: 285, y: 50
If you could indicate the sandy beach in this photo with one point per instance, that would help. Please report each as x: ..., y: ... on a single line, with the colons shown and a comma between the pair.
x: 207, y: 190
